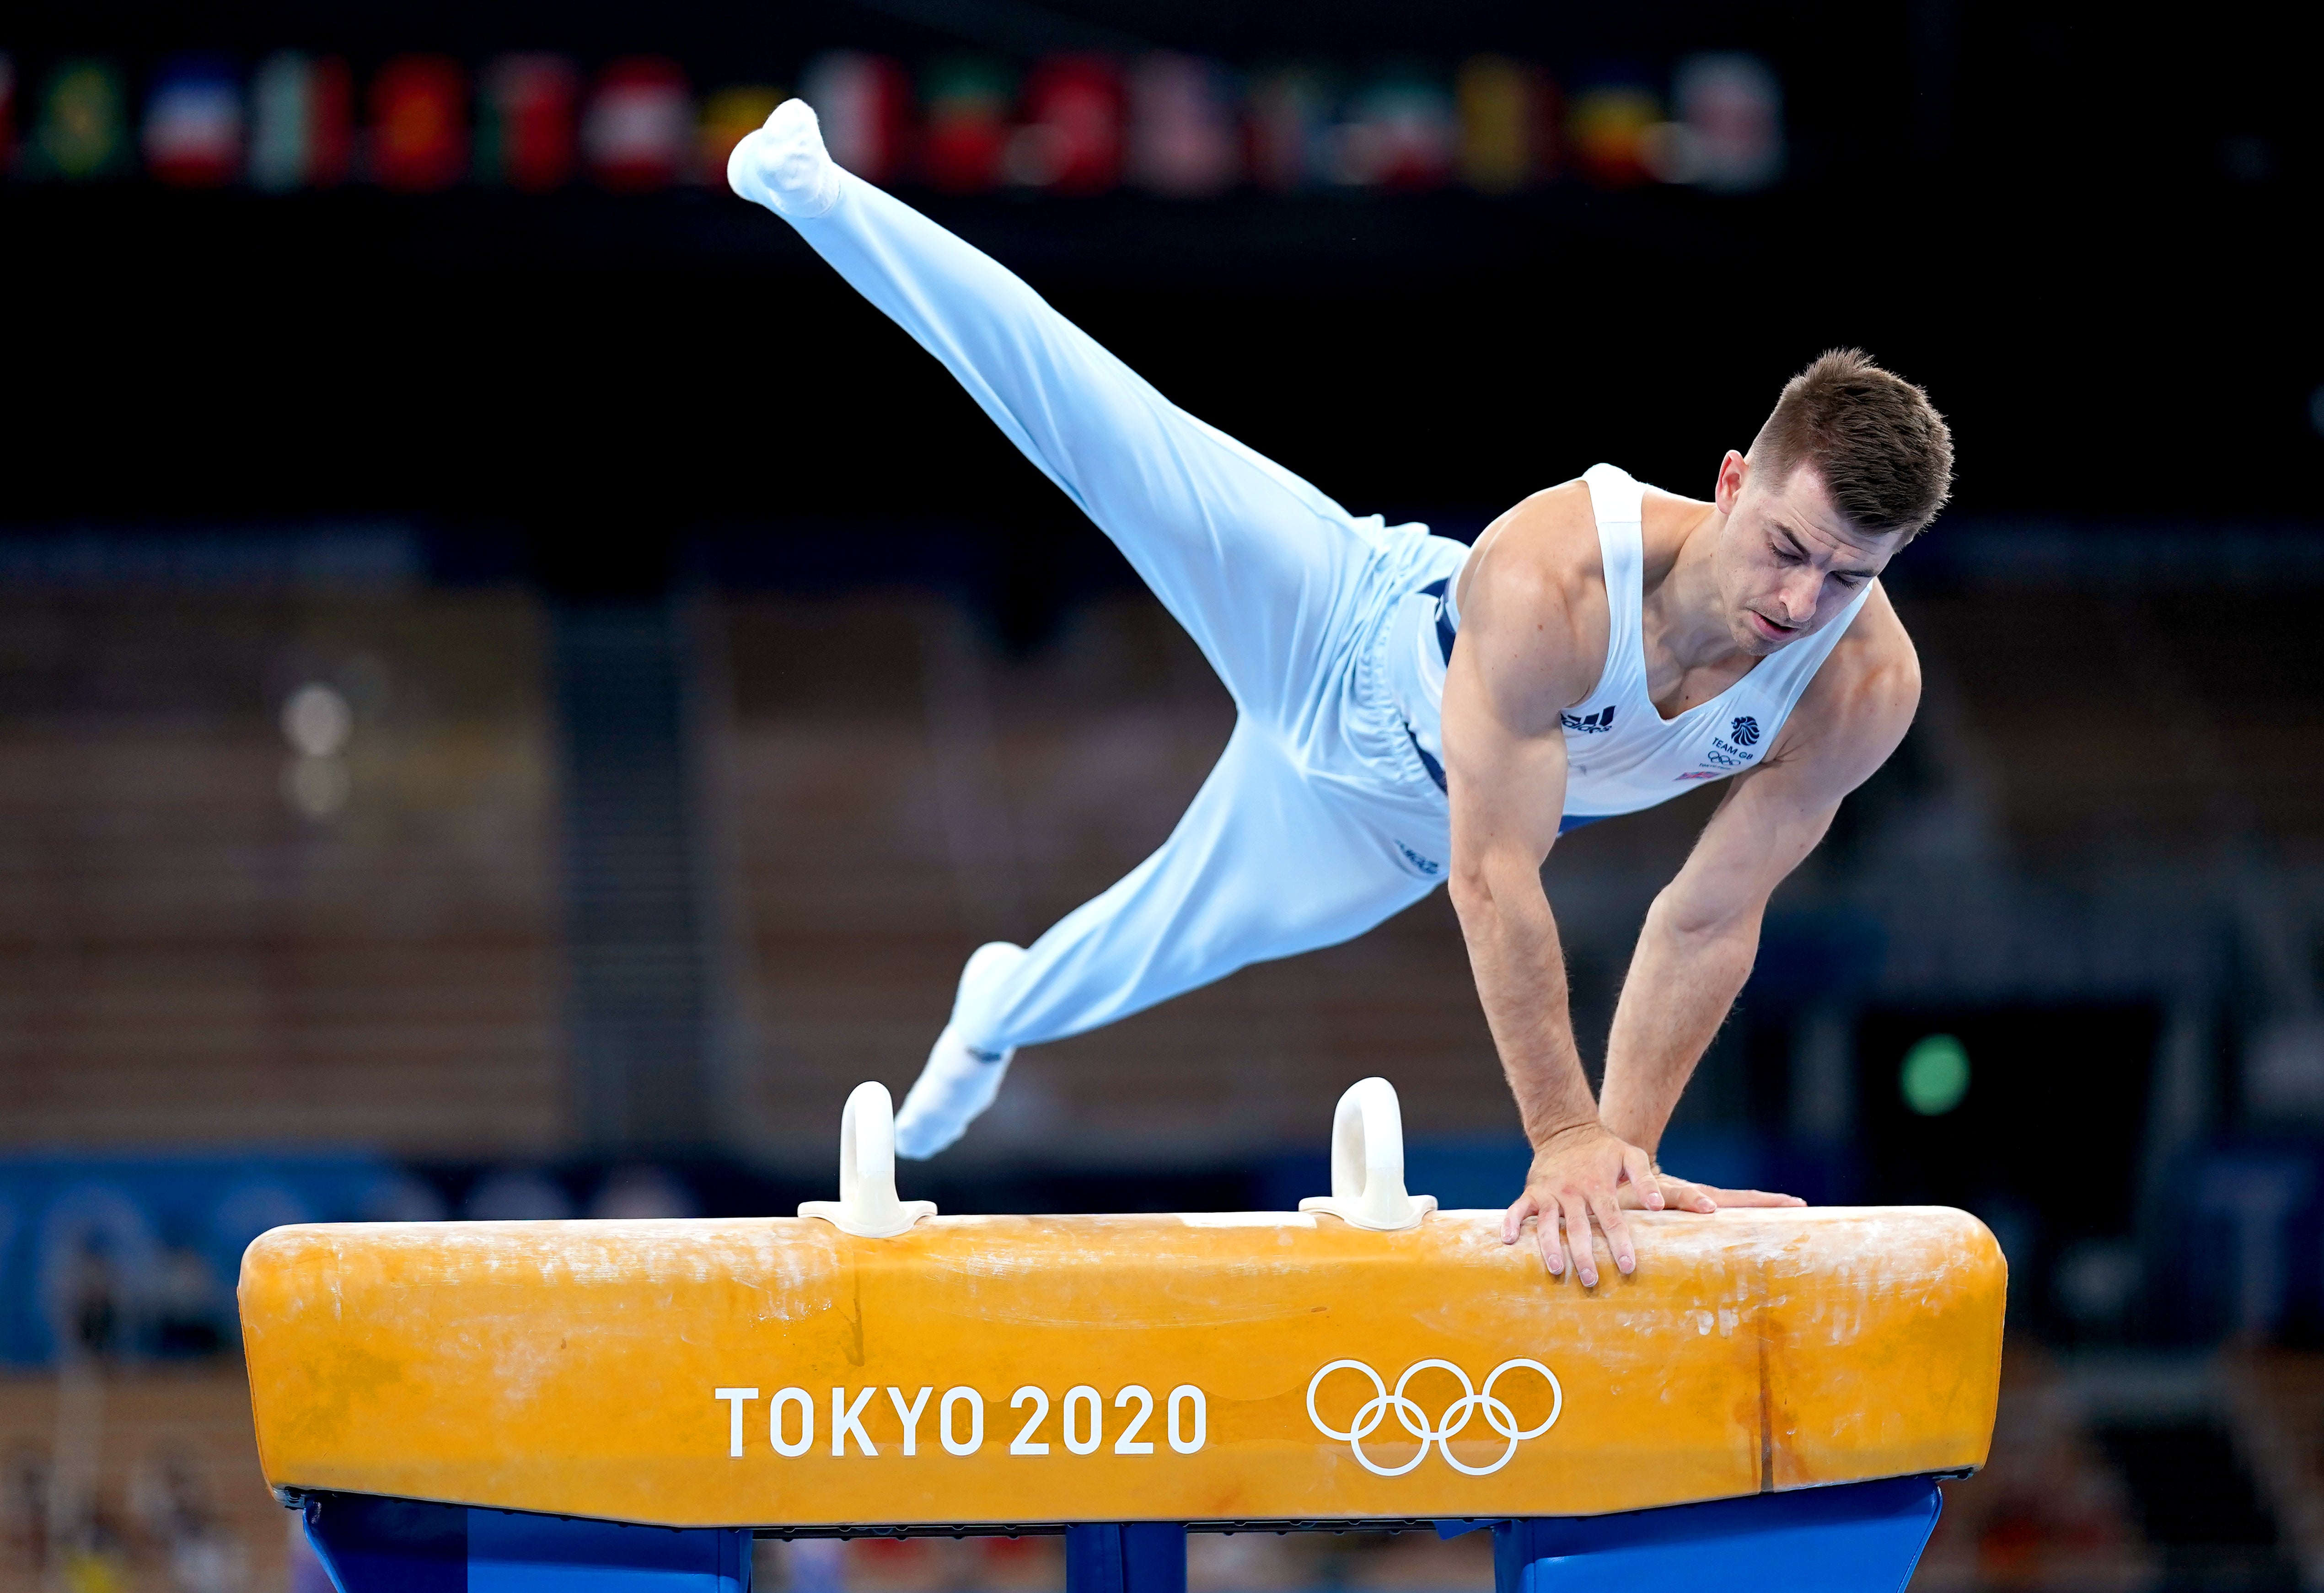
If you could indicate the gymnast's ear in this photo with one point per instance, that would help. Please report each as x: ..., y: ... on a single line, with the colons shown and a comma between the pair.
x: 1734, y: 474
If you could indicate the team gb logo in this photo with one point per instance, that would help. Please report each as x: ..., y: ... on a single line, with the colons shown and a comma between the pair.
x: 1746, y: 730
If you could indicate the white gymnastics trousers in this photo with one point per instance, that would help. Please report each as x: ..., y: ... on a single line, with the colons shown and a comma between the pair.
x: 1319, y: 820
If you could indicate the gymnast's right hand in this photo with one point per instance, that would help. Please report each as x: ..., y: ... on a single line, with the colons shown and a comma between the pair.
x: 1579, y: 1172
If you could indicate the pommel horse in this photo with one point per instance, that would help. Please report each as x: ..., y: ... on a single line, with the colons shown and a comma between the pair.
x: 620, y: 1406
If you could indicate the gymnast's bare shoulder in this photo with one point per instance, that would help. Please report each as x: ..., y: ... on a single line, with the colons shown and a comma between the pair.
x: 1533, y: 606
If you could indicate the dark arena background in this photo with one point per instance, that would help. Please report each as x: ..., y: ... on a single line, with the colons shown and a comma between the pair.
x: 517, y: 689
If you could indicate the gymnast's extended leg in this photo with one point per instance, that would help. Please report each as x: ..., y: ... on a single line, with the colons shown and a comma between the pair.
x: 1256, y: 564
x: 1253, y: 561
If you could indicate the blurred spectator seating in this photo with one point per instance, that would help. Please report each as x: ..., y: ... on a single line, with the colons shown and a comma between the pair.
x: 158, y: 1473
x: 2276, y: 1399
x: 2122, y: 723
x: 210, y: 938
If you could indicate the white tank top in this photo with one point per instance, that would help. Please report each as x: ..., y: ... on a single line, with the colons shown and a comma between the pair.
x: 1621, y: 754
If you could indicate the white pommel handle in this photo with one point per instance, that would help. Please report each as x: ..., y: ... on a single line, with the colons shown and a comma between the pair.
x: 867, y: 1206
x: 1368, y: 1162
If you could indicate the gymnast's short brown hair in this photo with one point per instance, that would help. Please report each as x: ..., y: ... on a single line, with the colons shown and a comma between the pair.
x: 1884, y: 454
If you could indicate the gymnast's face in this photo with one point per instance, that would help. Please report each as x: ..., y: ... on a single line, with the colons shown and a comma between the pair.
x: 1786, y: 561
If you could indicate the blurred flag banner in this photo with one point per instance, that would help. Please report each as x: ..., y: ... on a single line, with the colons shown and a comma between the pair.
x: 1290, y: 127
x: 83, y: 131
x: 301, y: 122
x: 194, y: 122
x: 1400, y: 134
x: 1508, y: 124
x: 732, y: 114
x: 1071, y: 139
x: 1732, y: 111
x: 525, y: 126
x: 639, y: 133
x: 1184, y: 140
x: 7, y: 112
x: 1609, y: 132
x: 419, y: 135
x: 1167, y: 123
x: 864, y: 103
x: 967, y: 101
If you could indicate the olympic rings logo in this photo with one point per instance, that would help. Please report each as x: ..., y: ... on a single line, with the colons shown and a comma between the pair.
x: 1409, y: 1416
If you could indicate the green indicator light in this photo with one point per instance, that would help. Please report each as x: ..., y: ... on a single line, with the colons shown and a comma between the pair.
x: 1935, y: 1075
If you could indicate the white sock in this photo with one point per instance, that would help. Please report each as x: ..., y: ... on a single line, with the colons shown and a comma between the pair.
x: 959, y: 1080
x: 784, y: 166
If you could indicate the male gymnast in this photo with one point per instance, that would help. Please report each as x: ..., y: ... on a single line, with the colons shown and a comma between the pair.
x: 1615, y: 646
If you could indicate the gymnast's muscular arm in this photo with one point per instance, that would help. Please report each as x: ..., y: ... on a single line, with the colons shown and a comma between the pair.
x: 1702, y: 933
x: 1533, y: 641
